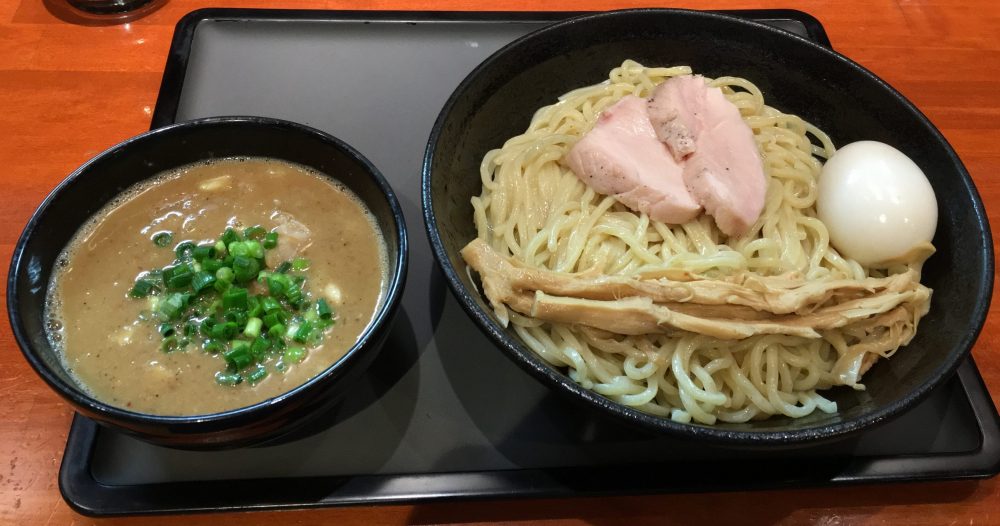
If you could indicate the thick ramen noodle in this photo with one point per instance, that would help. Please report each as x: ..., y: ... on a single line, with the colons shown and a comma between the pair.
x: 718, y: 328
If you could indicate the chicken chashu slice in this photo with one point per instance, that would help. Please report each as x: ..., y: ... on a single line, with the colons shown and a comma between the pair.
x: 733, y: 308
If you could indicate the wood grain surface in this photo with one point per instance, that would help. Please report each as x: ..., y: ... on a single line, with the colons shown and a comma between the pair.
x: 68, y: 91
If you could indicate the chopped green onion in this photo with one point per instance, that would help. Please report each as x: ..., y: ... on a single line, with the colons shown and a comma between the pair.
x: 184, y: 249
x: 324, y: 311
x: 206, y: 326
x: 162, y: 239
x: 228, y: 378
x: 255, y: 249
x: 171, y: 307
x: 254, y: 310
x: 245, y: 268
x: 235, y: 298
x: 270, y: 304
x: 238, y: 357
x: 277, y: 283
x: 180, y: 281
x: 270, y: 320
x: 238, y: 248
x: 303, y: 332
x: 202, y: 280
x: 252, y: 329
x: 237, y: 316
x: 254, y: 232
x: 256, y: 375
x: 214, y: 346
x: 221, y: 285
x: 201, y: 252
x: 225, y: 274
x: 224, y: 331
x: 209, y: 303
x: 142, y: 288
x: 294, y: 354
x: 170, y: 272
x: 277, y: 331
x: 229, y: 236
x: 294, y: 295
x: 211, y: 265
x: 259, y: 347
x: 270, y: 240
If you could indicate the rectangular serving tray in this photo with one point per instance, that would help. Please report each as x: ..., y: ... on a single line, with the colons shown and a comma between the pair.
x: 442, y: 414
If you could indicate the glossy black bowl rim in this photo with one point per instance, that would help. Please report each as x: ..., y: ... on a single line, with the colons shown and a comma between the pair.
x: 548, y: 374
x: 393, y: 292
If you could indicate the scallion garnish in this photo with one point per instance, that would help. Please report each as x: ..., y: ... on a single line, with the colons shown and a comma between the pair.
x: 230, y: 379
x: 224, y: 331
x: 163, y: 239
x: 252, y: 329
x: 245, y: 268
x: 229, y: 236
x: 221, y: 296
x: 294, y: 354
x: 184, y: 250
x: 276, y: 331
x: 259, y: 348
x: 323, y: 310
x: 270, y: 305
x: 214, y: 346
x: 172, y: 306
x: 256, y: 374
x: 202, y: 252
x: 270, y: 240
x: 142, y: 288
x: 254, y: 232
x: 238, y: 356
x: 202, y: 280
x: 235, y: 298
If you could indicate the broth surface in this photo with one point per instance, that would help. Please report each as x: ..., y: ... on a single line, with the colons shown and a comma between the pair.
x: 118, y: 358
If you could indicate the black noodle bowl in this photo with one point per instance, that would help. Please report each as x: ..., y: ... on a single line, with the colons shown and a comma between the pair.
x: 497, y: 100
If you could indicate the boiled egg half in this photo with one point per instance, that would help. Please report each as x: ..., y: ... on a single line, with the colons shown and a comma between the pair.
x: 877, y: 204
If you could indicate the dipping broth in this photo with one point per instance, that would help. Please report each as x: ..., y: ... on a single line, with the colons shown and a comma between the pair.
x: 117, y: 356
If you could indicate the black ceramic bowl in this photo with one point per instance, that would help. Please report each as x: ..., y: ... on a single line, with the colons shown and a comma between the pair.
x: 497, y: 100
x: 95, y: 183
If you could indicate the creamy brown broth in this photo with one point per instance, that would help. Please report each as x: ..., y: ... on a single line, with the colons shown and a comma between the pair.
x: 118, y: 359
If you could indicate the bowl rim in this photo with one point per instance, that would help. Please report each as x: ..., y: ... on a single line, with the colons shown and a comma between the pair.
x: 554, y: 378
x: 396, y: 277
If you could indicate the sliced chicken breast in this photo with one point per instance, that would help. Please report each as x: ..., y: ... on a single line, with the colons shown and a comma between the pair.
x: 622, y: 157
x: 676, y: 111
x: 723, y: 169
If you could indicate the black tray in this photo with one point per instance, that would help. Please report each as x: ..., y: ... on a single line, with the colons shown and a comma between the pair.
x: 436, y: 417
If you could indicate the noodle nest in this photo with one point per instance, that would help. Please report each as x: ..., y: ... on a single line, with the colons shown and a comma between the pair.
x: 541, y: 224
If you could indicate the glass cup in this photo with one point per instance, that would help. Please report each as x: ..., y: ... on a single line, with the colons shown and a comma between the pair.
x: 102, y: 11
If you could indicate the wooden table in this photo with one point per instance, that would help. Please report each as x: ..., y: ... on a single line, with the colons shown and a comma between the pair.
x: 70, y: 91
